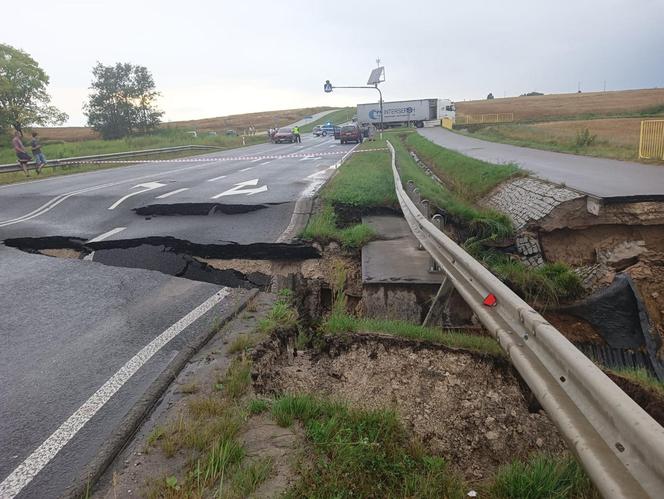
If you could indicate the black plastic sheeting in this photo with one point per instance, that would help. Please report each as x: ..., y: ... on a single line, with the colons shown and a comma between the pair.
x: 620, y: 316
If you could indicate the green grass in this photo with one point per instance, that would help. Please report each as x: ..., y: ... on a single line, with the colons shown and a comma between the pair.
x: 482, y: 223
x: 237, y: 379
x: 643, y: 378
x: 363, y: 182
x: 258, y: 406
x: 469, y: 178
x: 282, y: 315
x: 357, y: 453
x: 341, y: 322
x: 527, y: 136
x: 543, y: 477
x: 335, y: 117
x: 242, y: 343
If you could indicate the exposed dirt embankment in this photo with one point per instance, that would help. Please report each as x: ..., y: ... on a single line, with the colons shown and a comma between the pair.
x: 470, y: 408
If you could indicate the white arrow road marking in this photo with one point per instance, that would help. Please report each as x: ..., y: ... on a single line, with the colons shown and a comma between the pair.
x: 216, y: 178
x: 168, y: 194
x: 238, y: 189
x: 28, y: 469
x: 148, y: 186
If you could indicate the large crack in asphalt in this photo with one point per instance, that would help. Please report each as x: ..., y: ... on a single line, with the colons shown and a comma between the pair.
x: 173, y: 256
x: 199, y: 209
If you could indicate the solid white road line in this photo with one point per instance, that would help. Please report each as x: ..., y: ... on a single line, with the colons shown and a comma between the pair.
x: 246, y: 169
x: 106, y: 235
x: 28, y: 469
x: 216, y: 178
x: 168, y: 194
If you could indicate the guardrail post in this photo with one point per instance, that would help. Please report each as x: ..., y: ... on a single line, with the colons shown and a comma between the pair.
x: 437, y: 220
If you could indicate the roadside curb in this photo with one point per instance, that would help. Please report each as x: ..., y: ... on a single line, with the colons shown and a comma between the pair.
x: 83, y: 484
x: 305, y: 205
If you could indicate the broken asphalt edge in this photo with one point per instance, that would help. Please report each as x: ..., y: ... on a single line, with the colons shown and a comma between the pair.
x: 304, y: 206
x: 84, y: 483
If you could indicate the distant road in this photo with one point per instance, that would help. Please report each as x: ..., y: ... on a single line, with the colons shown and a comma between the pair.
x: 604, y: 178
x: 313, y: 118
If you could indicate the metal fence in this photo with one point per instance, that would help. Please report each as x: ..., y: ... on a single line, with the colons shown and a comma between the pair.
x: 619, y: 444
x: 651, y: 142
x: 478, y: 119
x: 14, y: 167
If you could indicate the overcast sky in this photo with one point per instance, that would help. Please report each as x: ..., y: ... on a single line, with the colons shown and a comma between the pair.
x: 219, y: 57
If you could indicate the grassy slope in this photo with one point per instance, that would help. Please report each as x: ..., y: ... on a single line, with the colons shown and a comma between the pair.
x: 468, y: 179
x: 363, y: 181
x: 339, y: 116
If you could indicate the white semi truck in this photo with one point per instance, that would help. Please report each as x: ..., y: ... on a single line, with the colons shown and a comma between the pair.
x: 406, y: 112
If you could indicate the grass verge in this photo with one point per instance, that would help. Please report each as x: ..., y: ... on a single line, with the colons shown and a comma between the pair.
x: 543, y: 477
x: 335, y: 117
x: 341, y: 322
x: 164, y: 138
x: 642, y: 378
x: 524, y: 135
x: 361, y: 454
x: 363, y: 182
x: 467, y: 180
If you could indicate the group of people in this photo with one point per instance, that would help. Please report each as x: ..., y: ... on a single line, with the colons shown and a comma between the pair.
x: 23, y: 157
x: 296, y: 133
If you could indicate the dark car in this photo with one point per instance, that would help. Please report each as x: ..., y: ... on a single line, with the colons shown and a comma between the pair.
x: 328, y: 129
x: 284, y: 135
x: 350, y: 133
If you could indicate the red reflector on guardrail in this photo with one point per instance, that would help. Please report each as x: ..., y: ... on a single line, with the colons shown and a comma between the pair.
x: 490, y: 300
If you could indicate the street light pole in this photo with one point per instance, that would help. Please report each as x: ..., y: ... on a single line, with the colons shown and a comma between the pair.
x: 328, y: 87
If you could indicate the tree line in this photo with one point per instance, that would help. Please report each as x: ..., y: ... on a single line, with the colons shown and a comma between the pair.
x: 122, y: 98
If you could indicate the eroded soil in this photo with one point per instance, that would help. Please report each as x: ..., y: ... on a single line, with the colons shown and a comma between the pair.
x: 466, y: 407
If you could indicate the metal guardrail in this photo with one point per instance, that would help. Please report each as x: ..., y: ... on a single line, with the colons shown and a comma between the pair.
x: 618, y: 443
x: 14, y: 167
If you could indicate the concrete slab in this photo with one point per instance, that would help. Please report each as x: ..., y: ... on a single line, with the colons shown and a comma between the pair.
x: 395, y: 259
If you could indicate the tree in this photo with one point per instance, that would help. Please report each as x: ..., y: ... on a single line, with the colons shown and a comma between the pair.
x: 122, y: 101
x: 23, y: 97
x: 490, y: 96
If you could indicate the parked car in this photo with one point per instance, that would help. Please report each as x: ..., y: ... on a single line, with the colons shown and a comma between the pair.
x: 328, y: 129
x: 284, y: 134
x: 231, y: 133
x: 351, y: 133
x: 317, y: 131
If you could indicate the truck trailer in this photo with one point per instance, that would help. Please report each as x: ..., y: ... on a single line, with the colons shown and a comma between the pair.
x: 406, y: 112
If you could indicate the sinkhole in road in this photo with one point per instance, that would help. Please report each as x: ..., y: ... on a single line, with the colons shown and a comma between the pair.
x: 172, y: 256
x: 199, y: 209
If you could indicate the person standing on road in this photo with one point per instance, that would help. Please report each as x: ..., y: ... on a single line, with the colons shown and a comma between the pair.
x: 296, y: 132
x: 40, y: 159
x: 21, y: 154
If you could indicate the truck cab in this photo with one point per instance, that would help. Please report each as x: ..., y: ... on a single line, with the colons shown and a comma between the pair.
x: 446, y: 109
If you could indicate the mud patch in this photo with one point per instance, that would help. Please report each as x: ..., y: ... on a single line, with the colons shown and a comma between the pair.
x: 67, y: 253
x: 469, y: 408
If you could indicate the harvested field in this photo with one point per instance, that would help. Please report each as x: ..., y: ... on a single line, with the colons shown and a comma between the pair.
x: 546, y: 107
x: 238, y: 122
x: 469, y: 408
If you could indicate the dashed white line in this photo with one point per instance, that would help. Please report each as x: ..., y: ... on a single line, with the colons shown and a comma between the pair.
x: 257, y: 160
x: 245, y: 169
x: 267, y: 162
x: 28, y: 469
x: 172, y: 193
x: 106, y: 235
x: 216, y: 178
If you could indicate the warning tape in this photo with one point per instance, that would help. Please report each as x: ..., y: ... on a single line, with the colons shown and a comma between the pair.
x: 210, y: 159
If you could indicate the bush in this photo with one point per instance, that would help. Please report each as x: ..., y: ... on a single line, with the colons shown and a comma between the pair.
x: 584, y: 138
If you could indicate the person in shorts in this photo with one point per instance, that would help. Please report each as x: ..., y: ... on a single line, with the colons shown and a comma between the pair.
x: 40, y: 159
x: 21, y: 154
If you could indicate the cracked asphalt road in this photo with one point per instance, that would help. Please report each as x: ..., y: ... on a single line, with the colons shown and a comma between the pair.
x: 71, y: 327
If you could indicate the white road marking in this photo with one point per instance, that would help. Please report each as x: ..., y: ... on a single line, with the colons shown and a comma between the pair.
x: 40, y: 457
x: 306, y: 158
x: 238, y: 189
x: 267, y: 162
x: 106, y: 235
x: 245, y: 169
x: 216, y: 178
x: 148, y: 186
x: 332, y: 145
x: 168, y: 194
x: 257, y: 160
